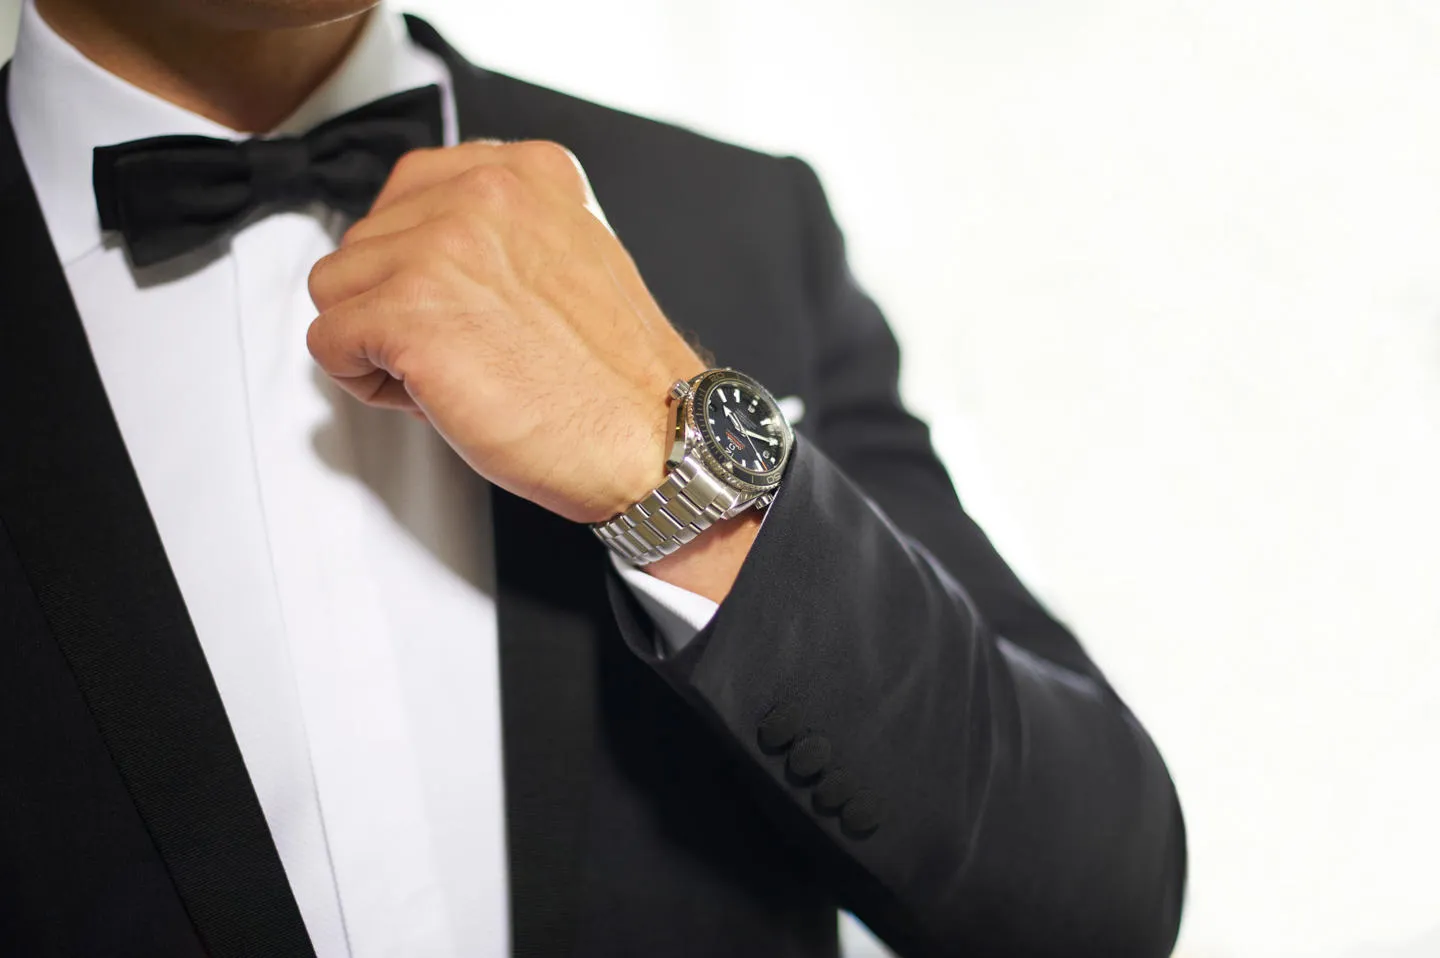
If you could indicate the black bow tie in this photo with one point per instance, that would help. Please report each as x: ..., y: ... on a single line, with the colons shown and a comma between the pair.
x: 170, y: 194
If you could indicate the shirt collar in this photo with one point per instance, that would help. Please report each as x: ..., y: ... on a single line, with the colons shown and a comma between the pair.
x: 63, y: 105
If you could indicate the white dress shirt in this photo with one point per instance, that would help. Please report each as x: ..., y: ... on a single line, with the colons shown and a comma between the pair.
x: 336, y: 560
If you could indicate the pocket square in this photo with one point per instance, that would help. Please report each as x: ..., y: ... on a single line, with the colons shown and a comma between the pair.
x: 793, y: 407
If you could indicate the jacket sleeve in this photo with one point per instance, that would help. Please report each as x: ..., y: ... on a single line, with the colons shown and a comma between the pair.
x: 945, y: 748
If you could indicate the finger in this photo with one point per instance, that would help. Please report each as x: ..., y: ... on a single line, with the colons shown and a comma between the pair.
x: 404, y: 214
x: 420, y: 169
x: 361, y: 265
x: 491, y: 173
x: 351, y: 344
x: 547, y: 166
x: 486, y: 187
x: 550, y: 168
x: 389, y: 393
x: 379, y: 389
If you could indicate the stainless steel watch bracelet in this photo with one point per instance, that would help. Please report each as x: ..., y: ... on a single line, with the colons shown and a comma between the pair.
x: 688, y: 502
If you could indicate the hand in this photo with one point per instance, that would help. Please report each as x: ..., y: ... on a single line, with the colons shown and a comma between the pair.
x: 485, y: 291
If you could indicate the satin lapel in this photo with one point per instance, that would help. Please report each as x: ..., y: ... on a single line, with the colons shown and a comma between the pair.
x: 553, y: 613
x: 78, y: 519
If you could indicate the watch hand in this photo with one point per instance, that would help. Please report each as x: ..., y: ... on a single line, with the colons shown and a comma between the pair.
x: 756, y: 435
x: 736, y: 420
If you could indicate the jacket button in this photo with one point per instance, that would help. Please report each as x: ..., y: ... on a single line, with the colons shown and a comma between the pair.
x: 862, y: 814
x: 809, y: 756
x: 834, y: 791
x: 779, y: 727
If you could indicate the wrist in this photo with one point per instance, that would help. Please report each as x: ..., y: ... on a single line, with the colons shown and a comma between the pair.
x: 639, y: 450
x: 728, y: 444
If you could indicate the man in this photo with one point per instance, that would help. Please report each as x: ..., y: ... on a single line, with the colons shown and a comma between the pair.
x: 288, y: 672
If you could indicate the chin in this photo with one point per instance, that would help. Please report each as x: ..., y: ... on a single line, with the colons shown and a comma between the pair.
x: 268, y: 14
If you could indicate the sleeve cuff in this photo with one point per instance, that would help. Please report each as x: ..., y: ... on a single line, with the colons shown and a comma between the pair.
x: 678, y: 614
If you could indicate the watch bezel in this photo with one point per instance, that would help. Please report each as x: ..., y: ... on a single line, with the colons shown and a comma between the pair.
x: 717, y: 463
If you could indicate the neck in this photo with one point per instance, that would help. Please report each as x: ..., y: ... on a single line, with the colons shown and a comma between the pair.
x: 244, y: 79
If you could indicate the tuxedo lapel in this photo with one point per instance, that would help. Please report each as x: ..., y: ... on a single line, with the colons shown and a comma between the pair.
x: 74, y: 510
x: 549, y: 590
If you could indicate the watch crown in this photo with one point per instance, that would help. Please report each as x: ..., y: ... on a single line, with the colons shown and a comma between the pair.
x: 679, y: 389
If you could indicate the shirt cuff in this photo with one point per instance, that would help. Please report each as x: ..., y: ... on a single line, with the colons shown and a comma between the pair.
x: 678, y: 614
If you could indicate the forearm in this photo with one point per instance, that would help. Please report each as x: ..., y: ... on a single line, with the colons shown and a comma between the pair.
x: 1023, y: 809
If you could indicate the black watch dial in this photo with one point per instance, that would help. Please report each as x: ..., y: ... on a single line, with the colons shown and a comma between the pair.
x: 746, y: 430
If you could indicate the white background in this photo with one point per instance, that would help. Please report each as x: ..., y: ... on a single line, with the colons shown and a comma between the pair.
x: 1166, y: 273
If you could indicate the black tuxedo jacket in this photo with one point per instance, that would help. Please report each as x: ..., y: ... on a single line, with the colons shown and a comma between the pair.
x: 879, y: 718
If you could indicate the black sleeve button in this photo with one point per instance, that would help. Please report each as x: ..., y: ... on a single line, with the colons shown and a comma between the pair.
x: 834, y: 791
x: 809, y: 756
x: 862, y: 814
x: 779, y: 727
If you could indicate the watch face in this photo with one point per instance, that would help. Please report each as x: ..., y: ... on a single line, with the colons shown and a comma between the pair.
x: 745, y: 429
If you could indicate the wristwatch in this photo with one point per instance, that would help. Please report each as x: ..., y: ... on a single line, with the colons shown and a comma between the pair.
x: 729, y: 446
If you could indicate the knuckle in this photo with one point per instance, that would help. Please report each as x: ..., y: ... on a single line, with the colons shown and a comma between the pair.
x: 458, y: 236
x: 412, y: 288
x: 410, y: 164
x: 480, y: 150
x: 543, y: 153
x: 553, y: 161
x: 354, y: 233
x: 318, y: 282
x: 319, y: 337
x: 490, y: 181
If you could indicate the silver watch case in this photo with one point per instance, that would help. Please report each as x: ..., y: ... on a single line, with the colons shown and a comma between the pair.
x: 702, y: 486
x: 753, y: 489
